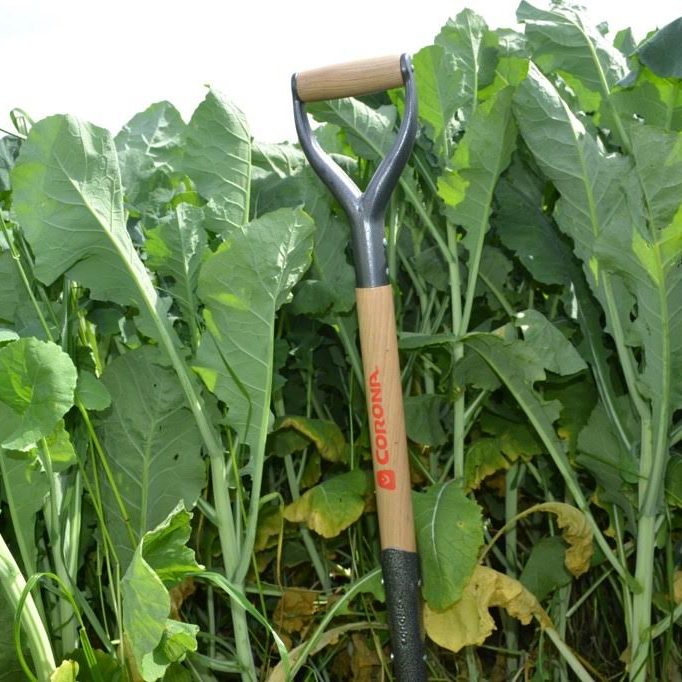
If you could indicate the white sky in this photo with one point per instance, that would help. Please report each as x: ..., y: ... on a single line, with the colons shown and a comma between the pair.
x: 105, y: 61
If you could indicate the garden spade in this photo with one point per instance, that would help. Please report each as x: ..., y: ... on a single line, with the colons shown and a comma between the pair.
x: 378, y: 342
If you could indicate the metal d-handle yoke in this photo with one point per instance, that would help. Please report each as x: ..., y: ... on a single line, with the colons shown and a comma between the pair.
x: 366, y: 210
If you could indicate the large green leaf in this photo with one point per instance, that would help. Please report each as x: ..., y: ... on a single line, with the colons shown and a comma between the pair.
x: 152, y: 443
x: 370, y: 131
x: 472, y: 46
x: 218, y: 159
x: 564, y: 44
x: 242, y: 285
x: 161, y: 556
x: 68, y: 199
x: 435, y: 69
x: 449, y: 536
x: 655, y: 100
x: 526, y: 229
x: 37, y: 384
x: 552, y: 347
x: 662, y: 52
x: 645, y: 252
x: 175, y: 248
x: 146, y: 605
x: 149, y: 142
x: 484, y: 152
x: 586, y: 178
x: 165, y: 547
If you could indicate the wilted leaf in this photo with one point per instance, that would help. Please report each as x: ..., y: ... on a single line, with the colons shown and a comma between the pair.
x: 270, y: 524
x: 468, y: 621
x: 295, y: 611
x: 677, y: 587
x: 333, y: 505
x: 576, y: 532
x: 324, y: 434
x: 483, y: 458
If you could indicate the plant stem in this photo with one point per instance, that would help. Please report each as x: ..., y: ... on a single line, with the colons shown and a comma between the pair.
x: 513, y: 481
x: 51, y: 513
x: 568, y: 656
x: 641, y: 603
x: 318, y: 565
x: 13, y: 583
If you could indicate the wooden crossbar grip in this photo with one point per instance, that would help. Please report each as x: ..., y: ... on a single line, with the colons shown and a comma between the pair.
x: 350, y: 79
x: 379, y: 346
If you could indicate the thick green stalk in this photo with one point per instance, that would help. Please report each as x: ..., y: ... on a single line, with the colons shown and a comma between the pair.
x: 457, y: 352
x: 12, y: 583
x: 51, y: 513
x: 641, y: 603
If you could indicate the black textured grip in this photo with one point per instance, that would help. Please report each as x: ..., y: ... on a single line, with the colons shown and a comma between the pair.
x: 401, y: 582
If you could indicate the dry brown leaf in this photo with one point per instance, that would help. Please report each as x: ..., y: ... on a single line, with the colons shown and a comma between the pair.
x: 576, y: 532
x: 468, y: 621
x: 295, y: 611
x: 330, y: 637
x: 364, y: 661
x: 178, y: 594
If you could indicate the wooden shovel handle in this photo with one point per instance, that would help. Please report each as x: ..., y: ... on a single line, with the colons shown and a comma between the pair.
x: 379, y: 346
x: 350, y: 79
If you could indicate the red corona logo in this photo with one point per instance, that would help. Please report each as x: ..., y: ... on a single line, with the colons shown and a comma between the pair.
x: 385, y: 477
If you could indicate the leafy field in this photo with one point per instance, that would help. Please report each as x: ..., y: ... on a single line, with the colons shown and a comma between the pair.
x: 185, y: 470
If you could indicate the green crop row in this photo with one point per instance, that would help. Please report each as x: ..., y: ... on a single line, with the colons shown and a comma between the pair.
x: 185, y: 469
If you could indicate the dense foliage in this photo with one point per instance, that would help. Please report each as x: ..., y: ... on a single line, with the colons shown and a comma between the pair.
x: 184, y: 454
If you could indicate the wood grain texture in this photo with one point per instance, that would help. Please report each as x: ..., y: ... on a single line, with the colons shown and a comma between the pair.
x: 350, y: 79
x: 386, y: 417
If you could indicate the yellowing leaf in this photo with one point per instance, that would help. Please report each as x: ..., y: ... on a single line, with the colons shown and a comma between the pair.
x: 324, y: 434
x: 576, y: 532
x: 677, y: 587
x: 269, y: 527
x: 333, y: 505
x: 66, y: 672
x: 468, y: 621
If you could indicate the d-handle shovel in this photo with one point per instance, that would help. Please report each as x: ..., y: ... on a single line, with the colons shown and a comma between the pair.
x: 376, y: 317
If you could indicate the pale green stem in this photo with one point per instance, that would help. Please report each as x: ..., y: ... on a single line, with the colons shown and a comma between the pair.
x: 576, y: 666
x: 318, y: 565
x: 67, y: 625
x: 641, y: 603
x: 12, y: 583
x: 513, y: 479
x: 457, y: 353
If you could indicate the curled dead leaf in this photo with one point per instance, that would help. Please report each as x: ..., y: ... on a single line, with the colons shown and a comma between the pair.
x: 576, y: 532
x: 295, y: 611
x: 468, y: 621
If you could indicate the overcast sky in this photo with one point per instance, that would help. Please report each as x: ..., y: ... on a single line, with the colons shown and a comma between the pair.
x: 104, y: 62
